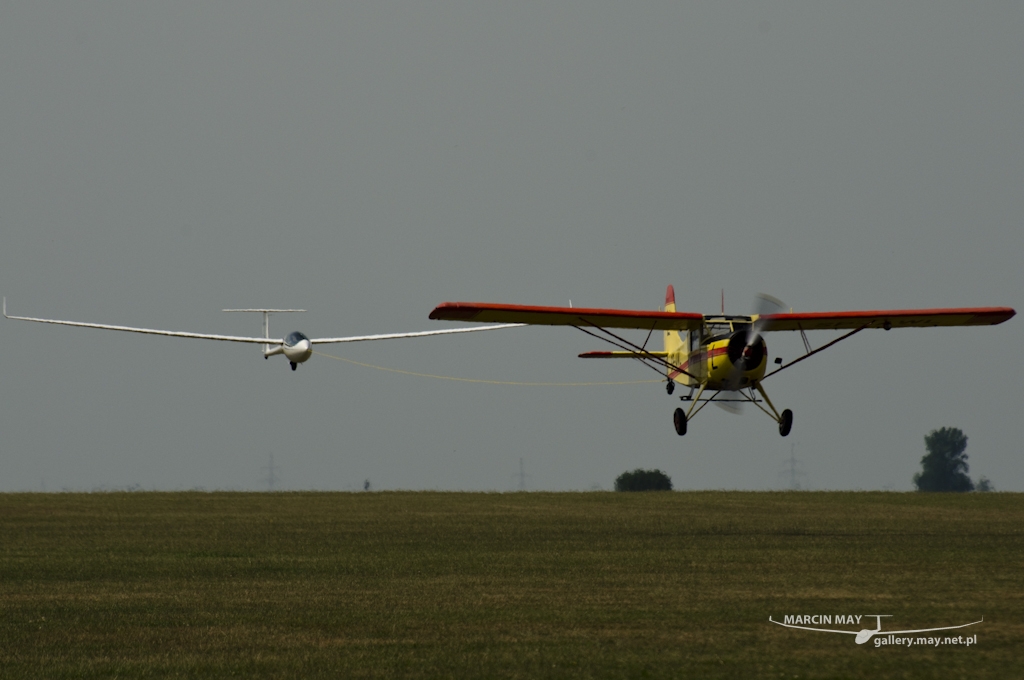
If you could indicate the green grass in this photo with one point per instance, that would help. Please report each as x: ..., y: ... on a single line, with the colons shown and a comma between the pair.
x: 503, y: 585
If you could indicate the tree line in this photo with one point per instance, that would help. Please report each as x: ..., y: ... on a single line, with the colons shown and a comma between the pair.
x: 943, y: 468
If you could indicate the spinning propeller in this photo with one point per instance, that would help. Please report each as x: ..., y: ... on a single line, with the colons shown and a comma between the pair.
x: 746, y: 349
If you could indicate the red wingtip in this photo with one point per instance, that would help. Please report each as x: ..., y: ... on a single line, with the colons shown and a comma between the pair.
x: 670, y: 295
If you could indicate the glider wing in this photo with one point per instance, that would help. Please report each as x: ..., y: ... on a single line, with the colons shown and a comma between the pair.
x: 149, y: 331
x: 256, y: 340
x: 418, y: 334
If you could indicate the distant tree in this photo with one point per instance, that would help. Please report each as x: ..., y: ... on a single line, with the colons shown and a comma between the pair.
x: 643, y: 480
x: 984, y: 485
x: 944, y: 467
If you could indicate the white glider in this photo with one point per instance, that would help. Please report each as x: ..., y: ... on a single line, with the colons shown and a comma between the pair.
x: 295, y: 346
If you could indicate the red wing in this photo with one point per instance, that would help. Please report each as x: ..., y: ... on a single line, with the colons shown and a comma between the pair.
x: 567, y: 316
x: 897, y: 318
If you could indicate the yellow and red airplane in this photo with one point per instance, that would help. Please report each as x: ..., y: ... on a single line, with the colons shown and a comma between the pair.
x: 724, y: 356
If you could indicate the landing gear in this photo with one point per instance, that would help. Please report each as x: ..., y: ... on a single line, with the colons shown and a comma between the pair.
x: 670, y: 387
x: 294, y: 365
x: 784, y: 419
x: 679, y: 419
x: 786, y: 422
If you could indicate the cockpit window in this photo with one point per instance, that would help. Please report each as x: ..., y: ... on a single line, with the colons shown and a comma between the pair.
x: 716, y: 331
x: 294, y: 339
x: 722, y: 330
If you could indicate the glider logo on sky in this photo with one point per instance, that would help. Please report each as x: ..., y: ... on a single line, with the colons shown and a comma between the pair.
x: 886, y: 637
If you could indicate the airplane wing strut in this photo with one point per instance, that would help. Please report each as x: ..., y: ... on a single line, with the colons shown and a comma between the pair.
x: 643, y: 356
x: 813, y: 352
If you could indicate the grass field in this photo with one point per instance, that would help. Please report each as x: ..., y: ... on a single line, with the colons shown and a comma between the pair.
x: 526, y: 585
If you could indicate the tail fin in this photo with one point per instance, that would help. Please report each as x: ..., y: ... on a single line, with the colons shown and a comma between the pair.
x: 673, y: 341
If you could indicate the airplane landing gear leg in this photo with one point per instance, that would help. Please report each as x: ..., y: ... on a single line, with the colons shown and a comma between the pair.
x: 784, y: 419
x: 294, y: 365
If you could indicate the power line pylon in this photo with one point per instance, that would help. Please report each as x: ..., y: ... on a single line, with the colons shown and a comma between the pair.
x: 271, y: 478
x: 793, y: 471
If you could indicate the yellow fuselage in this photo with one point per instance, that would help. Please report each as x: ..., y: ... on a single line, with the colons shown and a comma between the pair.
x: 710, y: 364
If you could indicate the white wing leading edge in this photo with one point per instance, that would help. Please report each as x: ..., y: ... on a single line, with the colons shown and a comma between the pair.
x: 149, y: 331
x: 254, y: 340
x: 418, y: 334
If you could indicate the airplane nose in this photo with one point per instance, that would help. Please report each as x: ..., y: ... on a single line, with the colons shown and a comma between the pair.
x: 300, y: 351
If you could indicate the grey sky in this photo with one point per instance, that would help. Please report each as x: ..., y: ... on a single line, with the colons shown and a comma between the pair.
x: 162, y: 161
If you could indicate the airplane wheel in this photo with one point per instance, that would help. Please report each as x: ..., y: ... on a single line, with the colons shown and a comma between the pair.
x: 679, y: 418
x: 786, y: 424
x: 670, y: 387
x: 294, y: 365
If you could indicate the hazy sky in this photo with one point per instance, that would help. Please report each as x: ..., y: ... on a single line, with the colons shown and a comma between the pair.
x: 160, y: 161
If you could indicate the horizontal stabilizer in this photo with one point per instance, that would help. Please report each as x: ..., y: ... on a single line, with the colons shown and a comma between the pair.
x: 621, y: 355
